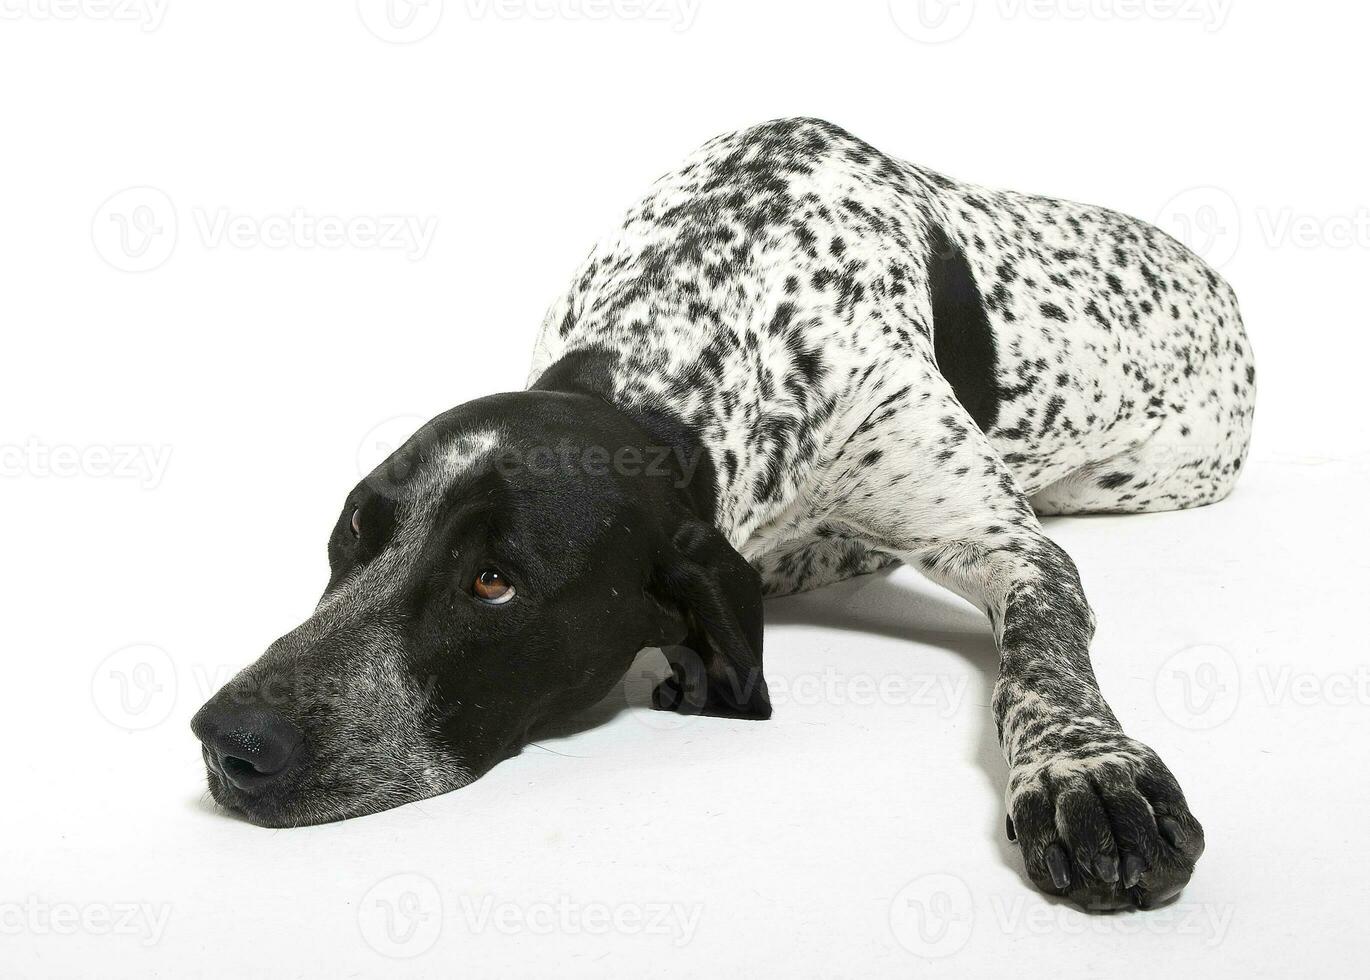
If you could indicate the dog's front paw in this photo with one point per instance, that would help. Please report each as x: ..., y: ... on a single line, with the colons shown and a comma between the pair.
x: 1109, y: 829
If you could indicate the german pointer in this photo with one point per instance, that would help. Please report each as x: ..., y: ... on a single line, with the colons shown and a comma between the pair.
x: 797, y: 360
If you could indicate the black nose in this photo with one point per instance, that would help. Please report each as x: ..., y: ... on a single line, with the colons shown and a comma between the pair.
x: 249, y: 745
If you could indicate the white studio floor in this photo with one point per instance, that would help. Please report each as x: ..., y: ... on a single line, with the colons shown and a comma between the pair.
x: 858, y: 833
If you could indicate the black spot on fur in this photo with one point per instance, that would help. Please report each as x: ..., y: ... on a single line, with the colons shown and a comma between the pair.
x: 1054, y: 407
x: 963, y: 341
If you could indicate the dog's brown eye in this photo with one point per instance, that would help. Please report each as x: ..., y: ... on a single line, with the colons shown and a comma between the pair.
x: 357, y: 523
x: 492, y: 587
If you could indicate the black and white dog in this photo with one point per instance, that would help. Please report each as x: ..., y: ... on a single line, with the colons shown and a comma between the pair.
x: 796, y: 361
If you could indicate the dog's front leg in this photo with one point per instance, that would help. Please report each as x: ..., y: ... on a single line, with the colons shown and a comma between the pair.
x: 1097, y: 815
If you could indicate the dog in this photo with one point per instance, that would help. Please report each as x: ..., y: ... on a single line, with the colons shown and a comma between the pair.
x: 797, y: 360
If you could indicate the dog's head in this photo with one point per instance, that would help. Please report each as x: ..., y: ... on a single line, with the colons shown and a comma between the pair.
x: 497, y: 574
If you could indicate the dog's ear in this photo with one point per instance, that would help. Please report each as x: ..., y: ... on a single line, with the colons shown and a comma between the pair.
x: 712, y: 597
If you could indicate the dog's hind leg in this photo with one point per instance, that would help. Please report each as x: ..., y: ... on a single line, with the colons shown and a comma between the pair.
x: 1174, y: 469
x: 1098, y: 816
x: 1198, y: 443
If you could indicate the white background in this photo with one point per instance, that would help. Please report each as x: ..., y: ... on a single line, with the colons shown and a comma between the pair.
x: 176, y: 441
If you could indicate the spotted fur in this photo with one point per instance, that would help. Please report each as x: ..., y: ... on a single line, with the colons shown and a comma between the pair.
x: 885, y: 365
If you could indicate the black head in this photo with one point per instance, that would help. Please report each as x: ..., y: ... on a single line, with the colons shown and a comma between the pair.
x: 498, y: 573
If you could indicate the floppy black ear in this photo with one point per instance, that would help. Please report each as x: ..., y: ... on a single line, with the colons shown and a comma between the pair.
x: 717, y: 670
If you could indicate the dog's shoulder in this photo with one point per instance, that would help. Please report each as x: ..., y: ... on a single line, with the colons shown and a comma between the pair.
x: 753, y: 291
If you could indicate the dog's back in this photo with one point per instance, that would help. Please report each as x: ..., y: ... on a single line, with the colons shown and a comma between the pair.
x: 778, y: 287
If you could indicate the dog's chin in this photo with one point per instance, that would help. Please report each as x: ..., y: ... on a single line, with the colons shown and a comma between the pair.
x: 278, y: 810
x: 267, y: 809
